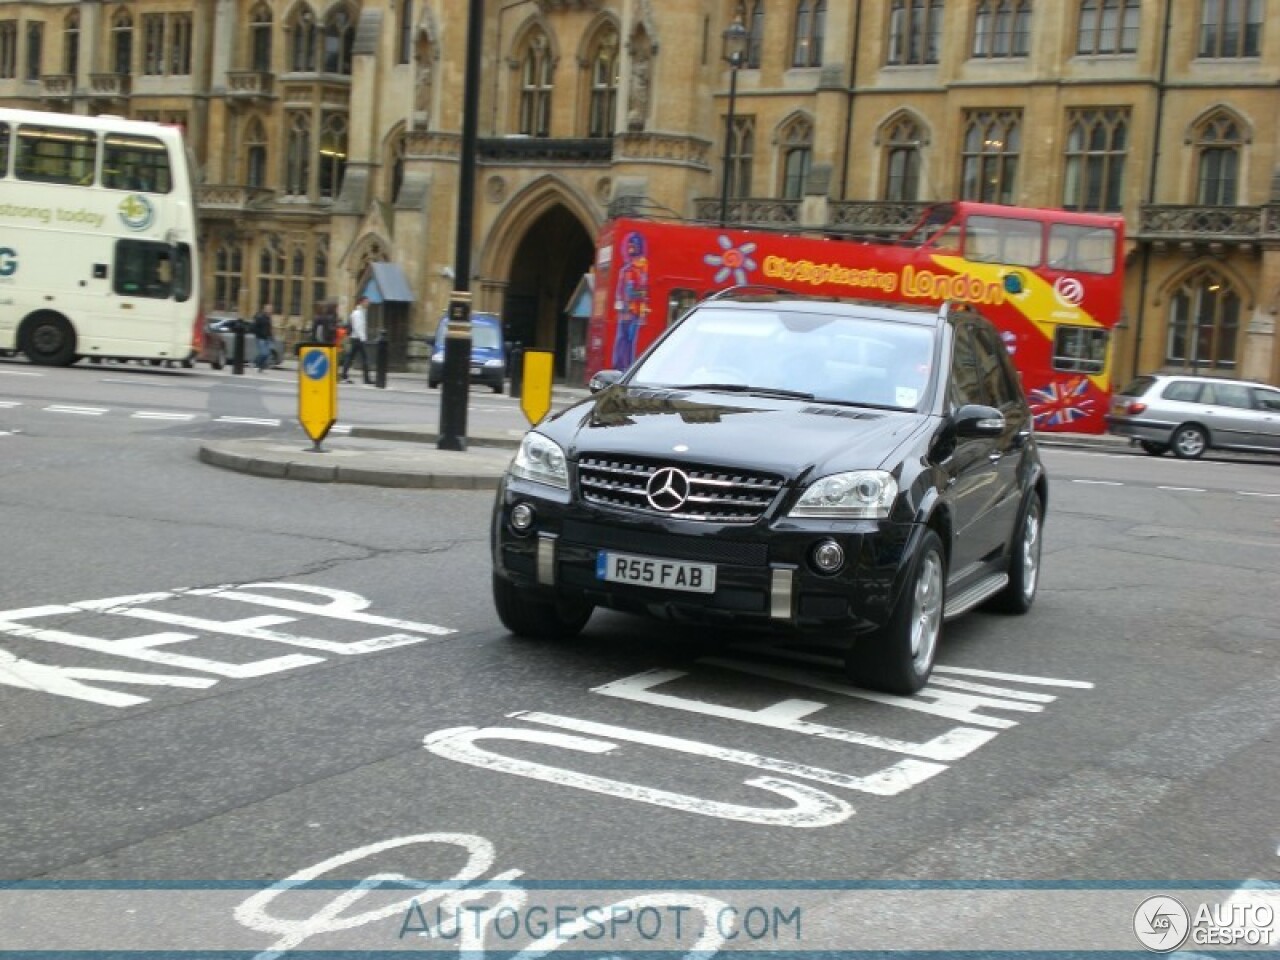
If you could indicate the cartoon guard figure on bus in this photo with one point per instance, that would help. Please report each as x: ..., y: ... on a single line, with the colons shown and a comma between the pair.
x: 631, y: 300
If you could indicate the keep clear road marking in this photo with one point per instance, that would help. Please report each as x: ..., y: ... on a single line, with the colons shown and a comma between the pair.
x: 82, y: 411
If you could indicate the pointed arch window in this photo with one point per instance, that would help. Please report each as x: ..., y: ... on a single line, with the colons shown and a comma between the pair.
x: 255, y: 142
x: 742, y: 148
x: 228, y: 271
x: 915, y: 31
x: 902, y: 141
x: 992, y: 143
x: 122, y: 43
x: 751, y: 15
x: 399, y: 146
x: 35, y: 48
x: 298, y: 154
x: 332, y: 162
x: 797, y: 157
x: 1108, y: 27
x: 604, y: 84
x: 304, y: 40
x: 71, y: 44
x: 339, y: 41
x: 1219, y: 142
x: 811, y: 24
x: 535, y: 87
x: 1097, y: 144
x: 260, y: 27
x: 1002, y: 28
x: 8, y: 49
x: 1204, y: 322
x: 320, y: 272
x: 271, y: 271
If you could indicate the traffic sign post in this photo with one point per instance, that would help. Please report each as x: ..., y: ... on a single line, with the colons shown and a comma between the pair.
x: 317, y: 390
x: 535, y: 390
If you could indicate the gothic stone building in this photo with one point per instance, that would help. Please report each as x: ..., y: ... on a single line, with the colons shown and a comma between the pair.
x: 327, y: 138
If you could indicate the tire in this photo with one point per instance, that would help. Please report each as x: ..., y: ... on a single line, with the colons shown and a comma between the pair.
x: 49, y: 341
x: 433, y: 384
x: 537, y: 619
x: 496, y: 387
x: 1024, y: 559
x: 1155, y: 449
x: 1189, y: 441
x: 899, y: 657
x: 188, y: 363
x: 219, y: 359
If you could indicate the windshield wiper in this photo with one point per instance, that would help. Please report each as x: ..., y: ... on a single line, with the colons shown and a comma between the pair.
x: 744, y: 388
x: 863, y: 403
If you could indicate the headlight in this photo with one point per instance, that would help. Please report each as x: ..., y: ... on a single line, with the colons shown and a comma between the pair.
x: 857, y: 495
x: 542, y: 461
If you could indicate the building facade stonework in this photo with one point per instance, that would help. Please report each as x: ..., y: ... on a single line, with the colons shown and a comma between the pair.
x: 326, y: 138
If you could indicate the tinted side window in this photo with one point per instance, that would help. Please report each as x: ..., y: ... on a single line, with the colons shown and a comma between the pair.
x: 997, y: 372
x: 1183, y: 390
x: 1137, y: 387
x: 1230, y: 395
x: 1268, y: 400
x: 966, y: 376
x: 146, y: 269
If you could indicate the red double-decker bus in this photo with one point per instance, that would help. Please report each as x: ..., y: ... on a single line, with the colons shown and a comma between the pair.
x: 1050, y: 280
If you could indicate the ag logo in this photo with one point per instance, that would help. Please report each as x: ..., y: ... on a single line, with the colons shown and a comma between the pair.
x: 1069, y: 290
x: 136, y: 212
x: 1161, y: 924
x: 8, y: 261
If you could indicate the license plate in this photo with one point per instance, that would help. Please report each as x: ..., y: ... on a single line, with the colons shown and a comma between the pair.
x: 653, y: 572
x: 475, y: 371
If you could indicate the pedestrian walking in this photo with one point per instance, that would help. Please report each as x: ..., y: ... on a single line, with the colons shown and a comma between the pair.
x: 357, y: 335
x: 261, y: 330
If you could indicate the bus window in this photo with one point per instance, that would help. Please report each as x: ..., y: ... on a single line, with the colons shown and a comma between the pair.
x: 135, y: 163
x: 1003, y: 240
x: 1080, y: 349
x: 4, y: 149
x: 145, y: 268
x: 679, y: 302
x: 1082, y: 249
x: 55, y: 155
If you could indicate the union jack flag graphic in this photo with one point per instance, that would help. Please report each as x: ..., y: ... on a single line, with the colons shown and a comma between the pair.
x: 1061, y: 402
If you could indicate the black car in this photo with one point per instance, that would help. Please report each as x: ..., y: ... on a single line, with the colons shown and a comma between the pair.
x: 814, y: 464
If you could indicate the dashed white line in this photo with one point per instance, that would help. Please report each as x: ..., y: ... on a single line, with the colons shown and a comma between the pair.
x: 1251, y: 493
x: 7, y: 404
x: 257, y: 421
x: 161, y: 415
x: 340, y: 429
x: 1101, y: 483
x: 82, y: 411
x: 1184, y: 489
x: 20, y: 373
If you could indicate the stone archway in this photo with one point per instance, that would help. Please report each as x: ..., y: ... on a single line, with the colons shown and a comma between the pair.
x: 549, y: 261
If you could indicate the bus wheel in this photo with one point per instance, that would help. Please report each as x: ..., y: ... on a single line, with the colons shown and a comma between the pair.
x: 49, y: 341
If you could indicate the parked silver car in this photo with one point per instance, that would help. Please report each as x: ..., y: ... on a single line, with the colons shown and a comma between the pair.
x: 221, y: 329
x: 1190, y: 415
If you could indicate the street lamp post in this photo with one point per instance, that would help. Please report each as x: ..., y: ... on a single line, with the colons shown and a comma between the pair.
x: 736, y: 39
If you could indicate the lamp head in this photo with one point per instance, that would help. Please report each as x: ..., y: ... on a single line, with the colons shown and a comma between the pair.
x: 736, y: 39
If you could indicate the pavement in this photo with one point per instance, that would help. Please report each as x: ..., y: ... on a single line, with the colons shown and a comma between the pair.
x: 407, y: 455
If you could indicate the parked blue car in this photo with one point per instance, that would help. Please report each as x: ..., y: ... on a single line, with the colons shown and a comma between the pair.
x: 488, y: 352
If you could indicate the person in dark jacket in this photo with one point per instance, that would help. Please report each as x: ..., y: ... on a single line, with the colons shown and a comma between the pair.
x: 261, y: 330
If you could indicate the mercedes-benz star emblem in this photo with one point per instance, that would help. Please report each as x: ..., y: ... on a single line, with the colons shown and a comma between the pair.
x: 668, y: 489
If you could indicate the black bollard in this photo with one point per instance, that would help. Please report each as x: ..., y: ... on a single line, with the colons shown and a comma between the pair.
x: 237, y: 352
x: 380, y: 361
x: 516, y: 360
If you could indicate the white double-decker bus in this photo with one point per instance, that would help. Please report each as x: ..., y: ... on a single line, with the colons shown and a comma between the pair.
x: 97, y: 239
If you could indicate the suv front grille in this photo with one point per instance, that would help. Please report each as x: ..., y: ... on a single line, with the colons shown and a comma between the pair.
x: 716, y: 494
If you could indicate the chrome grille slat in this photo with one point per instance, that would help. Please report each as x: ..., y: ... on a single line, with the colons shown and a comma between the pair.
x: 715, y: 495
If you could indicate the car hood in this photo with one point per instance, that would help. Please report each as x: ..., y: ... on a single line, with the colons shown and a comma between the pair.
x: 783, y: 436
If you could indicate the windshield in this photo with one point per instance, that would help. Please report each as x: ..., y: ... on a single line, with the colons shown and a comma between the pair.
x: 854, y: 360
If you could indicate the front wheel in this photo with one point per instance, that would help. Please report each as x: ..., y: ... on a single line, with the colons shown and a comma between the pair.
x: 537, y: 619
x: 899, y: 657
x: 50, y: 341
x: 1190, y: 441
x: 1024, y: 560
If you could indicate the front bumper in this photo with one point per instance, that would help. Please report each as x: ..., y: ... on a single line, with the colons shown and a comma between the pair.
x: 489, y: 376
x: 765, y: 575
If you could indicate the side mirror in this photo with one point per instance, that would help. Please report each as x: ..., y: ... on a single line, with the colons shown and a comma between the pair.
x: 603, y: 379
x: 977, y: 420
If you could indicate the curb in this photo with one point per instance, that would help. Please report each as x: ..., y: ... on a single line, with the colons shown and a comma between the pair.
x: 277, y: 467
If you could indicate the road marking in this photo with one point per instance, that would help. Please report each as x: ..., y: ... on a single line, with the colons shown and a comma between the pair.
x: 339, y: 429
x: 9, y: 404
x: 20, y: 373
x: 256, y: 421
x: 160, y: 415
x: 83, y: 411
x: 1101, y: 483
x: 1184, y: 489
x: 1251, y: 493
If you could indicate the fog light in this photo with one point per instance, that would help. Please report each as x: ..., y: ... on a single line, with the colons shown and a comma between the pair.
x: 828, y: 556
x: 521, y: 517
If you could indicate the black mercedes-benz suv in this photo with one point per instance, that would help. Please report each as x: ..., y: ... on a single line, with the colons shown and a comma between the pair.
x: 812, y: 464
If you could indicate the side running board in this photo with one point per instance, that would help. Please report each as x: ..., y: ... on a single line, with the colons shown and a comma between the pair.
x: 984, y: 589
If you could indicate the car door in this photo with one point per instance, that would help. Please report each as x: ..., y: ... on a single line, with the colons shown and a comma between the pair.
x: 1267, y: 403
x: 1001, y: 385
x: 973, y: 466
x: 1230, y: 415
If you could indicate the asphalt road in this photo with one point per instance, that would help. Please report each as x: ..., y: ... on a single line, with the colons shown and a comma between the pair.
x: 210, y: 682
